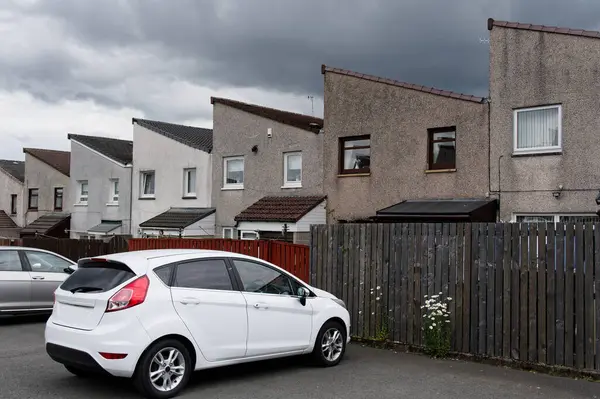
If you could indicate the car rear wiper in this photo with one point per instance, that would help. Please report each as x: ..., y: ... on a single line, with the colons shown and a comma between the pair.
x: 85, y: 289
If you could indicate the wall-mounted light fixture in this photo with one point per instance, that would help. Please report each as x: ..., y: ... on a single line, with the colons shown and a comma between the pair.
x: 255, y: 149
x: 557, y: 194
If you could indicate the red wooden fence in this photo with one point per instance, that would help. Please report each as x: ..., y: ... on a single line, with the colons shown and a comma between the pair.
x: 291, y: 257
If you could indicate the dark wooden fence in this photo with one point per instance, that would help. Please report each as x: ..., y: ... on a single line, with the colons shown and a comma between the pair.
x: 291, y: 257
x: 527, y: 292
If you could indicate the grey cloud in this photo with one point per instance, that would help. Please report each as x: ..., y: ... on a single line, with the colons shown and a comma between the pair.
x: 280, y: 44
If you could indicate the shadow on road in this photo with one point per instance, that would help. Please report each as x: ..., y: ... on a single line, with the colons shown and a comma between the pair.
x: 16, y: 320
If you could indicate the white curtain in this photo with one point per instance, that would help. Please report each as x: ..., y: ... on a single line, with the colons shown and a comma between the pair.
x: 294, y: 167
x: 537, y: 128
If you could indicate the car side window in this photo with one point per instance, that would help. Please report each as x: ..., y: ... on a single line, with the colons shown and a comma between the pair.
x: 209, y: 274
x: 164, y: 273
x: 10, y: 261
x: 262, y: 279
x: 46, y: 263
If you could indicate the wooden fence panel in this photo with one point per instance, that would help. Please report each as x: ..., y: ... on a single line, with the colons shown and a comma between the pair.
x: 519, y: 291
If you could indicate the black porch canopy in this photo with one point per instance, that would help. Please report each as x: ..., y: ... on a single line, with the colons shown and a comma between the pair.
x: 439, y: 210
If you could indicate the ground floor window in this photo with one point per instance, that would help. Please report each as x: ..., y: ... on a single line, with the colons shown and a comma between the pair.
x: 249, y: 235
x: 229, y: 232
x: 556, y: 218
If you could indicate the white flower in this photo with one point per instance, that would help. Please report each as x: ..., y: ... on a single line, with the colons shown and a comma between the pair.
x: 447, y: 321
x: 377, y: 298
x: 378, y: 287
x: 440, y: 293
x: 449, y: 298
x: 435, y: 296
x: 430, y: 327
x: 425, y: 296
x: 433, y: 324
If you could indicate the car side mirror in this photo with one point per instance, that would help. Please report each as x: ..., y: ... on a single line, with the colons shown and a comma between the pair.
x: 303, y: 293
x: 69, y: 270
x: 36, y: 265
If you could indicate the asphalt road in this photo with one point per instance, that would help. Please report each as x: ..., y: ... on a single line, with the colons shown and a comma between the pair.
x: 27, y: 372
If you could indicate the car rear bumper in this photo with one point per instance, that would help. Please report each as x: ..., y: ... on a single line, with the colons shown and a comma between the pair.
x: 80, y: 348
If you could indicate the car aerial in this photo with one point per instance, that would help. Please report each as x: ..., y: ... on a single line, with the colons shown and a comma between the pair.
x: 28, y: 279
x: 155, y: 316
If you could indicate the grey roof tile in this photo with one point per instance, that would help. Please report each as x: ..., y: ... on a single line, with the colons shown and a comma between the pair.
x: 115, y: 149
x: 195, y: 137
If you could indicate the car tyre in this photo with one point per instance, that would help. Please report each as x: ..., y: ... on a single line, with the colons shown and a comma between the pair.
x: 169, y: 357
x: 330, y: 344
x: 78, y: 372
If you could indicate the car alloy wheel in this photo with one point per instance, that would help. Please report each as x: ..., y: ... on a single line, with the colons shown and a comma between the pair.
x: 332, y: 344
x: 167, y: 369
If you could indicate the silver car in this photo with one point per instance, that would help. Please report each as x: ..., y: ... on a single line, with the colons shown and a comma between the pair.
x: 28, y: 279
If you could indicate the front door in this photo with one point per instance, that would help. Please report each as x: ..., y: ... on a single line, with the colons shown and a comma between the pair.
x: 277, y: 322
x: 214, y: 313
x: 47, y: 272
x: 15, y: 283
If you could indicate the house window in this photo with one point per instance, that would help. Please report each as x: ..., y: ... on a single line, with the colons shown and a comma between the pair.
x: 114, y: 191
x: 538, y: 130
x: 292, y: 169
x: 228, y: 232
x: 355, y: 155
x: 33, y: 199
x: 147, y: 184
x: 234, y: 172
x: 58, y: 198
x: 189, y: 182
x: 83, y: 192
x: 249, y: 235
x: 13, y: 204
x: 442, y: 148
x: 558, y: 218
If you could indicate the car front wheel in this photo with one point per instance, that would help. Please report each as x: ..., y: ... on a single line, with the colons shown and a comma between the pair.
x: 330, y: 345
x: 164, y: 370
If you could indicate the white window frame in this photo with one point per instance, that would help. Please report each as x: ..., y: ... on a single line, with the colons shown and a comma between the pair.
x: 233, y: 186
x: 231, y: 231
x: 555, y: 216
x: 143, y: 173
x: 537, y: 150
x: 286, y: 183
x: 114, y: 196
x: 186, y: 190
x: 82, y: 198
x: 243, y: 233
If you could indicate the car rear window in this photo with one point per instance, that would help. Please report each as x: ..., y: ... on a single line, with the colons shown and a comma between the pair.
x: 96, y: 277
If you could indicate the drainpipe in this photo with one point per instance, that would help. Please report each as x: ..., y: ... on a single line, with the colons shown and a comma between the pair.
x: 131, y: 200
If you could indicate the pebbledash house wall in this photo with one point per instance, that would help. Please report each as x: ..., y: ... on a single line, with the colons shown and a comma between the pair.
x: 235, y: 132
x: 398, y: 120
x: 528, y: 69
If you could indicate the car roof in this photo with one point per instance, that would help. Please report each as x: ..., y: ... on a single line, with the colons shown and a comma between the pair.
x: 137, y: 261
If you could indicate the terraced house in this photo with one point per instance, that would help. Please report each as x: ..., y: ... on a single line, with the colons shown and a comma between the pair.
x: 12, y: 176
x: 267, y: 172
x: 544, y: 121
x: 172, y: 180
x: 395, y: 151
x: 47, y: 208
x: 101, y: 169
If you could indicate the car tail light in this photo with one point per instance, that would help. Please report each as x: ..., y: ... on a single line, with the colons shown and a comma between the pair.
x: 113, y: 356
x: 129, y: 296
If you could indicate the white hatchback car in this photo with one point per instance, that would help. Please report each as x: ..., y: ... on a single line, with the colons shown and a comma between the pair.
x: 156, y: 316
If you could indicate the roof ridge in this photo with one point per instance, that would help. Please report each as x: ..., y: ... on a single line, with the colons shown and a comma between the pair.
x: 217, y: 99
x: 167, y: 123
x: 43, y: 149
x: 69, y: 135
x: 543, y: 28
x: 405, y: 85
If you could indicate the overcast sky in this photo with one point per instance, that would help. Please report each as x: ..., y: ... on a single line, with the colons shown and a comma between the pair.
x: 89, y: 66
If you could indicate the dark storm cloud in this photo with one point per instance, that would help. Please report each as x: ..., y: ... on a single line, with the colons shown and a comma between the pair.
x: 280, y: 44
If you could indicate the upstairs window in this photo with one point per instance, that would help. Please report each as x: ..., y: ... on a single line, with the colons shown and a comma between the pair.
x: 233, y: 172
x: 58, y: 198
x: 83, y: 192
x: 189, y: 182
x: 538, y: 130
x: 292, y: 172
x: 355, y: 155
x: 147, y: 180
x: 114, y: 191
x: 442, y: 148
x: 33, y: 199
x: 13, y: 204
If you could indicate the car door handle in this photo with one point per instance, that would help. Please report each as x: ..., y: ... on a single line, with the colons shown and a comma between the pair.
x: 38, y: 277
x: 189, y: 301
x: 261, y: 306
